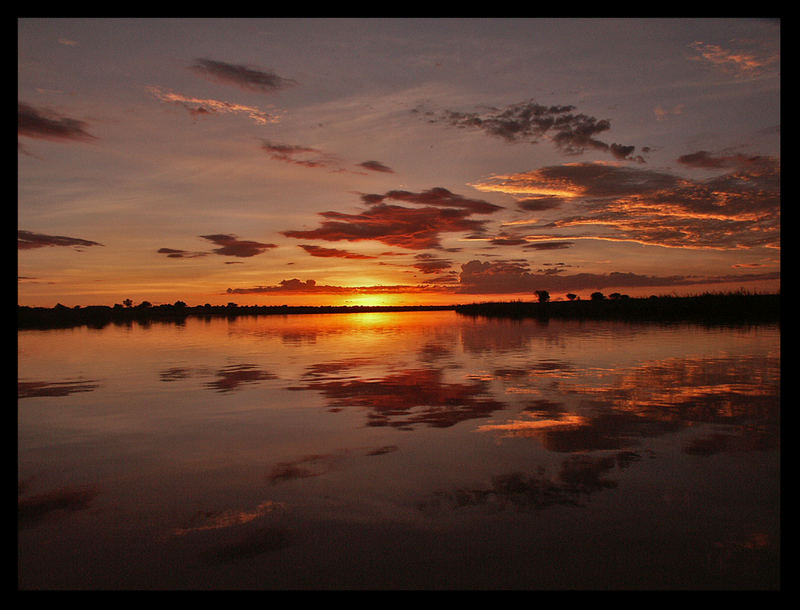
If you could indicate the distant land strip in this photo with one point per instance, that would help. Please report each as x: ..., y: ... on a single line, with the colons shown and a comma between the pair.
x: 712, y: 309
x: 724, y: 308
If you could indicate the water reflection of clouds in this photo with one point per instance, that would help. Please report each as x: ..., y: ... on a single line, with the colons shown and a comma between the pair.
x: 32, y: 510
x: 318, y: 464
x: 215, y: 519
x: 619, y: 407
x: 28, y: 389
x: 579, y: 477
x: 228, y: 379
x: 408, y: 398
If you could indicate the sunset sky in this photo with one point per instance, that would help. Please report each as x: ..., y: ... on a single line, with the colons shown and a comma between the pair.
x: 395, y: 161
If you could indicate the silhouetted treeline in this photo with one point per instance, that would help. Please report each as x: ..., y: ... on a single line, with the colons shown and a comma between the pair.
x: 727, y: 308
x: 706, y: 308
x: 97, y: 316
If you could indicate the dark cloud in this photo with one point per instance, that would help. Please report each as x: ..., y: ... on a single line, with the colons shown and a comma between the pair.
x: 172, y: 253
x: 376, y: 166
x: 528, y: 121
x: 428, y: 263
x: 437, y: 196
x: 706, y: 160
x: 27, y: 240
x: 540, y: 204
x: 37, y: 123
x: 505, y: 240
x: 333, y: 252
x: 242, y: 76
x: 231, y: 245
x: 394, y: 225
x: 515, y: 277
x: 297, y: 286
x: 549, y: 245
x: 297, y: 155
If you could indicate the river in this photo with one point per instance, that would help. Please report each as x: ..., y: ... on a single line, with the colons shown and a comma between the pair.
x: 411, y: 450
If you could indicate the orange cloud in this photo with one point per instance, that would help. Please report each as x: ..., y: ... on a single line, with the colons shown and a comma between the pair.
x: 394, y: 225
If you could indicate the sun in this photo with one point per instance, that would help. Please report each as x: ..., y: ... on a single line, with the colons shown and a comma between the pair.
x: 370, y: 300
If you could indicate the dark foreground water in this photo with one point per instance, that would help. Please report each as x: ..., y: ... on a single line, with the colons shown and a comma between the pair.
x: 416, y: 450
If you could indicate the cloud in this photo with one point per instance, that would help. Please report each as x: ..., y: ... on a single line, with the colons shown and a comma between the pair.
x: 173, y: 253
x: 321, y: 252
x: 231, y: 245
x: 572, y: 133
x: 297, y: 286
x: 376, y: 166
x: 307, y: 156
x: 549, y: 245
x: 507, y: 240
x: 706, y: 160
x: 515, y: 277
x: 437, y: 196
x: 738, y: 209
x: 242, y: 76
x: 540, y: 204
x: 43, y: 124
x: 27, y: 240
x: 297, y: 155
x: 736, y: 62
x: 663, y: 114
x: 206, y: 106
x: 428, y: 263
x: 394, y: 225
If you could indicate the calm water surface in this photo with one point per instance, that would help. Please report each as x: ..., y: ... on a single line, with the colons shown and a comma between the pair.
x: 398, y: 450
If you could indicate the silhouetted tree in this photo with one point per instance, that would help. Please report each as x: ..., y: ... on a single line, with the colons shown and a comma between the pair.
x: 543, y: 296
x: 571, y: 296
x: 597, y: 296
x: 127, y: 303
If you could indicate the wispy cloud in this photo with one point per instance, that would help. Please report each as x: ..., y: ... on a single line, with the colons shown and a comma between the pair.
x: 308, y: 156
x: 516, y: 277
x: 732, y: 61
x: 48, y: 125
x: 173, y: 253
x: 28, y: 240
x: 429, y: 264
x: 321, y: 252
x: 297, y: 286
x: 298, y: 155
x: 205, y: 106
x: 737, y: 209
x: 245, y: 77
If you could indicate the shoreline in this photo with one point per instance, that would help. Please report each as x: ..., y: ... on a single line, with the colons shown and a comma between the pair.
x: 706, y: 308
